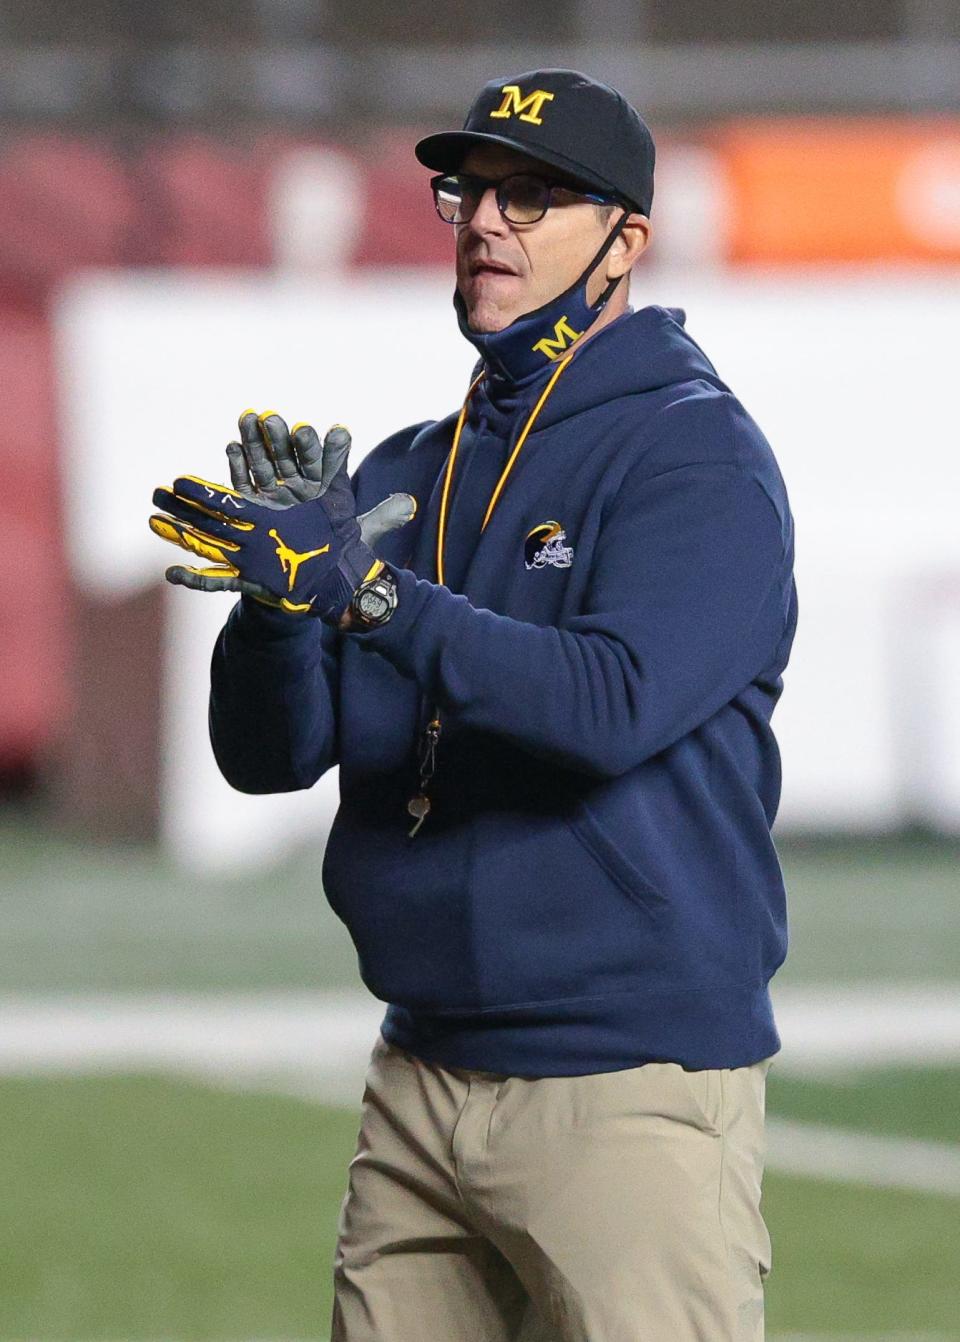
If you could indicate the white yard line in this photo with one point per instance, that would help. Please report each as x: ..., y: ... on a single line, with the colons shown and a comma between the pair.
x: 867, y: 1025
x: 840, y: 1155
x: 318, y: 1045
x: 822, y: 1028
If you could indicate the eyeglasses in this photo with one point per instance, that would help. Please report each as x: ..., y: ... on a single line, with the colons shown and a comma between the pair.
x: 522, y: 198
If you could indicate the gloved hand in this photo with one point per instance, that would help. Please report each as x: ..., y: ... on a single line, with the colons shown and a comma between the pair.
x: 285, y: 466
x: 289, y: 538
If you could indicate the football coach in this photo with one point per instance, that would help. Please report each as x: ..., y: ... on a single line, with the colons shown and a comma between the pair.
x: 543, y: 639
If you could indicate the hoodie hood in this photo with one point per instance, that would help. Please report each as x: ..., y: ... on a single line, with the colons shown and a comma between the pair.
x: 641, y: 351
x: 638, y: 352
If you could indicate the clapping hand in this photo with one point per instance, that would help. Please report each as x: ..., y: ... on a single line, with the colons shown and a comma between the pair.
x: 286, y: 531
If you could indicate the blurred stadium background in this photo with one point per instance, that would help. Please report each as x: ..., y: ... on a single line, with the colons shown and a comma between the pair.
x: 204, y: 207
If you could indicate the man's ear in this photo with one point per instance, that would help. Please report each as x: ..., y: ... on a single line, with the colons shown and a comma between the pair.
x: 634, y: 238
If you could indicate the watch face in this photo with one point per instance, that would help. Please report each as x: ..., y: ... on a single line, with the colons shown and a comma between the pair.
x: 371, y: 604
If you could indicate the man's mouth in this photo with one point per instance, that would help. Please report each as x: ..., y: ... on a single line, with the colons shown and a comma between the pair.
x: 486, y: 266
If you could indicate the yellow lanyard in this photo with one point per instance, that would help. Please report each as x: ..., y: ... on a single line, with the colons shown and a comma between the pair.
x: 419, y: 806
x: 442, y: 528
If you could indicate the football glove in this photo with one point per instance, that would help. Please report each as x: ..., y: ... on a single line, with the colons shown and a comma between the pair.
x: 291, y: 541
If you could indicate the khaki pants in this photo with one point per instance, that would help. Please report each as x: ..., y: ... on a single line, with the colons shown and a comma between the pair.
x: 613, y: 1207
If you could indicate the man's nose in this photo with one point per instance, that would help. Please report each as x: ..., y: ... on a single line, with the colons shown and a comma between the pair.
x: 487, y: 218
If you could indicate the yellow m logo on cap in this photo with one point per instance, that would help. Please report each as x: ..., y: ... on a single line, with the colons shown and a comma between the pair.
x: 526, y: 108
x: 563, y: 335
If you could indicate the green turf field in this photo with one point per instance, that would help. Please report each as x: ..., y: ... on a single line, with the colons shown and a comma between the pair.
x: 153, y: 1207
x: 144, y: 1208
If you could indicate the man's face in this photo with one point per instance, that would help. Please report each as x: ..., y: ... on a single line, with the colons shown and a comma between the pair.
x: 504, y: 269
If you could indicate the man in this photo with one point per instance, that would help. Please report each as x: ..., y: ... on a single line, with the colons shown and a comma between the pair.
x: 549, y: 695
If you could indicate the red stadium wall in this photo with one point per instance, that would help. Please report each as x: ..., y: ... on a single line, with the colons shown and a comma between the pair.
x: 33, y: 606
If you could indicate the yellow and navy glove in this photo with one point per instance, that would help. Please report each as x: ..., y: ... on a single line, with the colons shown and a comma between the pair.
x: 306, y: 555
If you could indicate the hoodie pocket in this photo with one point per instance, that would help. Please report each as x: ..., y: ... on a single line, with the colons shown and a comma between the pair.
x: 606, y: 852
x: 551, y: 922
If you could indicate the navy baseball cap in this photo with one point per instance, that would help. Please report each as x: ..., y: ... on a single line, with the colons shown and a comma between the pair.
x: 586, y: 129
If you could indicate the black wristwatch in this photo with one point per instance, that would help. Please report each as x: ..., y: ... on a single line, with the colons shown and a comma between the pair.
x: 375, y: 600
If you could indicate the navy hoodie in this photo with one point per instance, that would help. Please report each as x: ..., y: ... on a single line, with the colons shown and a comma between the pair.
x: 596, y: 885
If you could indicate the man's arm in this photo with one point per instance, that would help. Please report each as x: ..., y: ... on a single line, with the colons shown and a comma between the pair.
x: 273, y: 694
x: 687, y: 605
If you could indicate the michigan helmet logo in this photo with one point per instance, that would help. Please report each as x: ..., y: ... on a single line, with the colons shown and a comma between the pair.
x: 545, y: 545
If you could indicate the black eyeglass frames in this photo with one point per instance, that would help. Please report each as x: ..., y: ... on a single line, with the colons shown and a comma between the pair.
x: 522, y: 198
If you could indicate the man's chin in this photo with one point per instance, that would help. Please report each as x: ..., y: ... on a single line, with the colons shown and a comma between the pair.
x: 484, y: 314
x: 485, y: 320
x: 487, y: 328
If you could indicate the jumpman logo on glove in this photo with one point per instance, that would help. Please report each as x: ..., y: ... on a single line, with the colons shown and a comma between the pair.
x: 290, y: 560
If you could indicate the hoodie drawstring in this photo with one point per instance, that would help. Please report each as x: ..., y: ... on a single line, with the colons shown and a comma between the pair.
x: 441, y: 529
